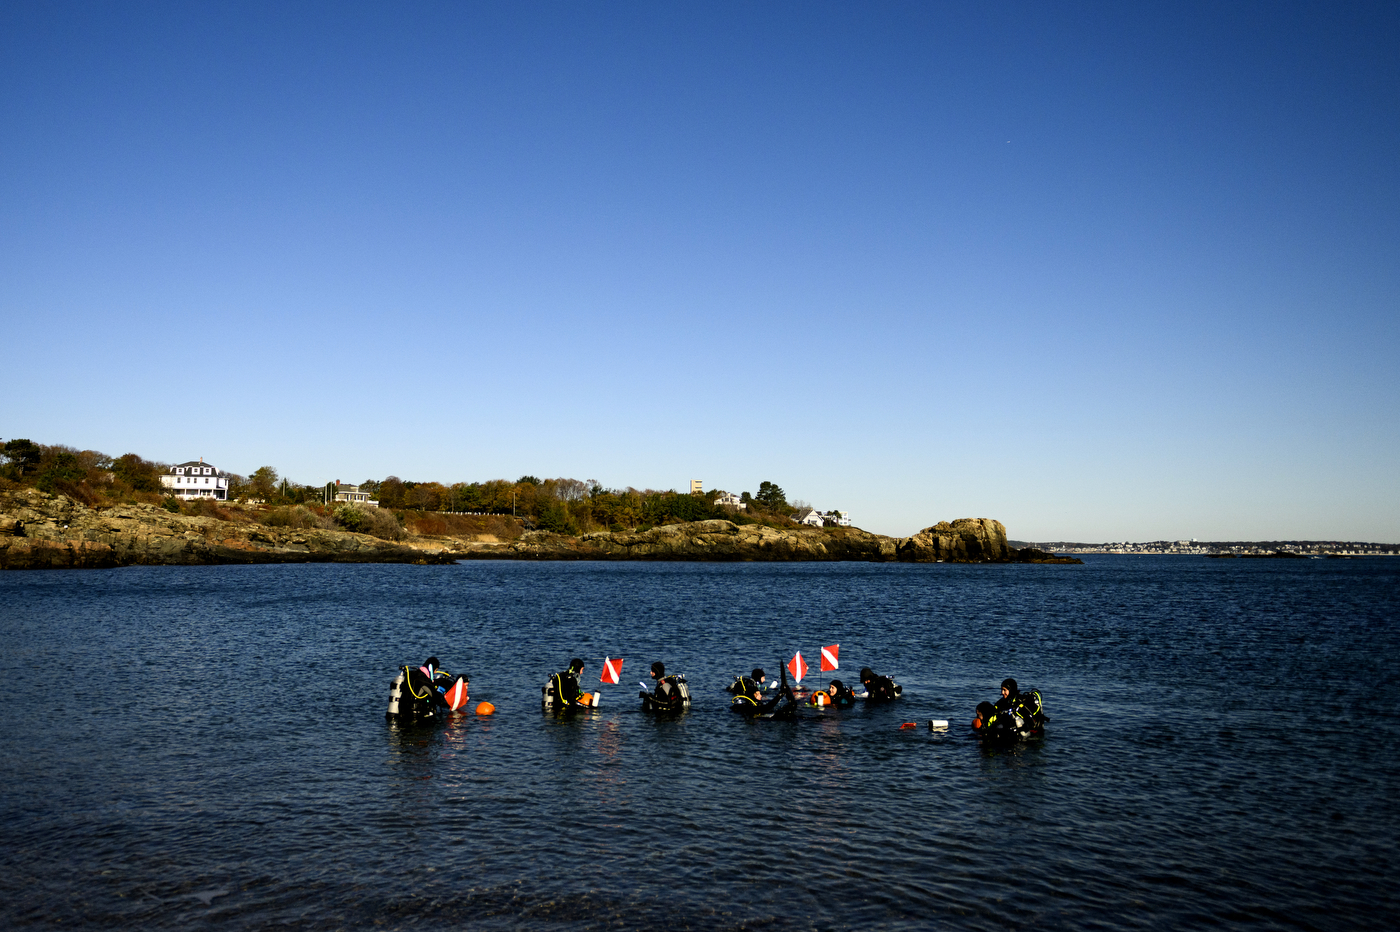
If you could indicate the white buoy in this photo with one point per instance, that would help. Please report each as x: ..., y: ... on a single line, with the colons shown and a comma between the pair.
x: 937, y: 724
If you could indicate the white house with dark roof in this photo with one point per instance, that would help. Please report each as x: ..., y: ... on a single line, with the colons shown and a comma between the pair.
x: 196, y: 479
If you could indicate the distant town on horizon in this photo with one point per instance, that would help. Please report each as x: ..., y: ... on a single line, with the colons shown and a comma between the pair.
x: 1301, y: 548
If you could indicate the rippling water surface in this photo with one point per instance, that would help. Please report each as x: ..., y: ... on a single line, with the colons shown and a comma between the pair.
x: 206, y: 748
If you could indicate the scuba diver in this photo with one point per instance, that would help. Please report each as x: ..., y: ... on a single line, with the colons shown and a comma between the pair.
x: 562, y: 693
x: 749, y: 702
x: 1009, y: 694
x: 986, y: 722
x: 419, y: 693
x: 1024, y: 705
x: 837, y: 696
x: 752, y: 686
x: 879, y: 688
x: 671, y: 693
x: 1017, y: 714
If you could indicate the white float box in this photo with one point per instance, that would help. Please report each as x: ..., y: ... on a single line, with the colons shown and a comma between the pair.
x: 938, y: 724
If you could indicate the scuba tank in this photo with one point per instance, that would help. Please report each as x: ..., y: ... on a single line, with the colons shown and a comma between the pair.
x: 679, y: 689
x: 395, y: 694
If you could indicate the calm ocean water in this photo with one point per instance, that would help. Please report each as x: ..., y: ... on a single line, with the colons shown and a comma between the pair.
x: 206, y: 748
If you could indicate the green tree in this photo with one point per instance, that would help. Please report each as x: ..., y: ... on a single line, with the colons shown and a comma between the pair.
x: 142, y: 475
x: 23, y: 455
x: 63, y: 470
x: 263, y: 482
x: 771, y: 496
x: 554, y: 516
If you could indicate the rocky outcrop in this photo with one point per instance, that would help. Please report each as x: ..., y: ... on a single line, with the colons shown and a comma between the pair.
x: 702, y: 540
x: 967, y: 540
x: 39, y: 531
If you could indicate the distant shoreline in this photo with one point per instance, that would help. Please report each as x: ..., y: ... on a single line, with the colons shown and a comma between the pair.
x: 1305, y: 548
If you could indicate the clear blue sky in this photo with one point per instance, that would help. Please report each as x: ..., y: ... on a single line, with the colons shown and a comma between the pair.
x: 1101, y: 271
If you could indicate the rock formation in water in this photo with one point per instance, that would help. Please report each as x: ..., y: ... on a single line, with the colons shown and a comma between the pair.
x: 39, y: 531
x: 966, y: 540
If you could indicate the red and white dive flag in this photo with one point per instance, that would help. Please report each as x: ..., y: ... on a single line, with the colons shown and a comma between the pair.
x: 612, y: 671
x: 797, y: 667
x: 829, y: 655
x: 457, y: 695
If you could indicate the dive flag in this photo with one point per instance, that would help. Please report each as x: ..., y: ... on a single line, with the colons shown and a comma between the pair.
x: 457, y: 695
x: 612, y: 671
x: 797, y: 667
x: 829, y: 657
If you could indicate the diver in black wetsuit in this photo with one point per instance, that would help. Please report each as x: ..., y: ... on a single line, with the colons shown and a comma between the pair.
x: 666, y: 696
x: 987, y: 723
x: 751, y: 686
x: 749, y: 701
x: 1009, y: 695
x: 1016, y: 715
x: 879, y: 688
x: 842, y: 696
x: 418, y: 694
x: 567, y: 692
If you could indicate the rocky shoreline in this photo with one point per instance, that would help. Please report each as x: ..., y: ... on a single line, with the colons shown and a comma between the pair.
x: 42, y: 531
x: 39, y: 531
x: 966, y: 540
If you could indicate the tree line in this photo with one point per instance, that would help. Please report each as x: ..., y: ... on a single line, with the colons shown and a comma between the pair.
x: 572, y: 506
x: 566, y: 506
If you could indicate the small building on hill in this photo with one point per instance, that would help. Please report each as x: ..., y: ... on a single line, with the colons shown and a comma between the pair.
x: 196, y: 479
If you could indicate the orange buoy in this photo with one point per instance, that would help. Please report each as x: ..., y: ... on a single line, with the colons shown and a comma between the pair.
x: 909, y: 725
x: 485, y: 708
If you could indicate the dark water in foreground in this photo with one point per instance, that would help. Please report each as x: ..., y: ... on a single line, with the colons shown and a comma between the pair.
x: 205, y: 748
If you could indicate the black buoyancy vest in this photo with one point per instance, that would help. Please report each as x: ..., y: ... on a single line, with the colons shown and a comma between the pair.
x: 1029, y: 708
x: 882, y: 689
x: 744, y: 686
x: 566, y: 691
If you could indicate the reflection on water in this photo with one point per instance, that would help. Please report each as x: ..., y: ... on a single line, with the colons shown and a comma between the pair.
x: 1214, y: 756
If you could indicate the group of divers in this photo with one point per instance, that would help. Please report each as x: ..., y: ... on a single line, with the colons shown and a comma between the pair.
x: 429, y: 693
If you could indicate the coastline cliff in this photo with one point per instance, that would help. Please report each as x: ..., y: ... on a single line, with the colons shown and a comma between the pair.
x: 51, y: 531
